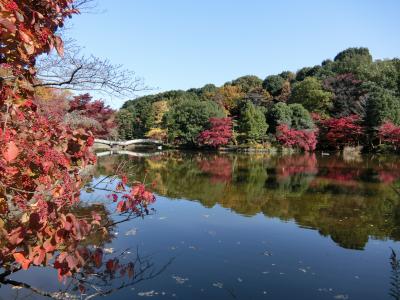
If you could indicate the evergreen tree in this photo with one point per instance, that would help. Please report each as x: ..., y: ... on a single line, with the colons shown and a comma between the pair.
x: 252, y: 122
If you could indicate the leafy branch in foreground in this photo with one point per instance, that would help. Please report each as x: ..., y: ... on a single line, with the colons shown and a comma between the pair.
x: 41, y: 159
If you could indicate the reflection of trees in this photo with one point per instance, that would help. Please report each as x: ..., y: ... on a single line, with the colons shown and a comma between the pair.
x: 219, y: 168
x: 346, y: 200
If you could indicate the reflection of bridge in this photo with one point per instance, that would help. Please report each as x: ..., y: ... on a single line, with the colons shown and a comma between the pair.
x: 124, y: 144
x: 129, y: 153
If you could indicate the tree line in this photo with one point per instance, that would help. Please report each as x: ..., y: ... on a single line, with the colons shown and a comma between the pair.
x: 351, y: 100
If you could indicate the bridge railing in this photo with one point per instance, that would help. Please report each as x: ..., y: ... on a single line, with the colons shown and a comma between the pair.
x: 127, y: 143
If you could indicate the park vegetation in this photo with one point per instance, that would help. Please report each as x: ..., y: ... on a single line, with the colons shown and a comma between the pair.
x: 349, y: 101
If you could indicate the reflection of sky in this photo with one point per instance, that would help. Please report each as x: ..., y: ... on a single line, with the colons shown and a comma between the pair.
x: 218, y: 253
x: 250, y: 255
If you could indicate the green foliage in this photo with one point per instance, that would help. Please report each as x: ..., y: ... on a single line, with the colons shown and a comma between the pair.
x: 386, y: 73
x: 382, y: 105
x: 287, y: 75
x: 141, y: 114
x: 311, y: 95
x: 279, y: 114
x: 204, y: 93
x: 125, y: 119
x: 348, y: 85
x: 274, y: 84
x: 187, y: 118
x: 247, y: 83
x: 353, y: 60
x: 301, y: 118
x: 307, y: 72
x: 252, y: 123
x: 294, y: 116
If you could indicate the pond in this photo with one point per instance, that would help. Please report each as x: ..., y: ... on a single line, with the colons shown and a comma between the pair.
x: 251, y: 226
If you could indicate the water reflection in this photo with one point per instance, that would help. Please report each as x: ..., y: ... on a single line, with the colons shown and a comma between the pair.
x: 86, y: 267
x: 394, y: 291
x: 347, y: 199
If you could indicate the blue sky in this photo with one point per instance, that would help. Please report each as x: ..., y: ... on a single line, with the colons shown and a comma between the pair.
x: 179, y: 44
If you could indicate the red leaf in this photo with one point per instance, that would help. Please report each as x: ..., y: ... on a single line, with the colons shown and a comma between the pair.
x: 24, y: 37
x: 121, y: 206
x: 41, y: 254
x: 16, y: 236
x: 72, y: 262
x: 20, y: 258
x: 11, y: 152
x: 49, y: 245
x: 8, y: 25
x: 115, y: 197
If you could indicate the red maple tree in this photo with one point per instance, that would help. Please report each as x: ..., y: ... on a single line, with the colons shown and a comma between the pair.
x: 341, y: 132
x: 96, y: 110
x: 305, y: 140
x: 219, y: 134
x: 390, y: 134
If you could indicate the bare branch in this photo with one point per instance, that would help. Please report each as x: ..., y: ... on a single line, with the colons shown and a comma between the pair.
x: 78, y: 72
x: 71, y: 79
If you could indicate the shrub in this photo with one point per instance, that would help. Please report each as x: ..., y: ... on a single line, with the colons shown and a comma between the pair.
x: 291, y: 138
x: 219, y: 134
x: 341, y: 132
x: 390, y: 134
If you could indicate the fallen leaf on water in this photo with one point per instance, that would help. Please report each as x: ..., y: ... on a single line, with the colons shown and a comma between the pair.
x: 132, y: 231
x: 219, y: 285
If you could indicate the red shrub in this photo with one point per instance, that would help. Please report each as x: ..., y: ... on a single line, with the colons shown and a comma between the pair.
x: 390, y: 134
x: 303, y: 139
x: 219, y: 134
x: 341, y: 132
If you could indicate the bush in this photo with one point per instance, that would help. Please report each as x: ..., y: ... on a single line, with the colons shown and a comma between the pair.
x: 390, y: 134
x: 219, y: 134
x: 341, y: 132
x: 305, y: 140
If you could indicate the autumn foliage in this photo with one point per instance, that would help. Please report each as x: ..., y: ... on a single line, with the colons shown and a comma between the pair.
x: 305, y: 140
x: 40, y: 158
x: 95, y: 110
x: 341, y: 132
x: 390, y: 134
x: 219, y: 134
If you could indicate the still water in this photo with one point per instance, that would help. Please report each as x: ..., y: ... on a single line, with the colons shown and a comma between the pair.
x: 230, y: 226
